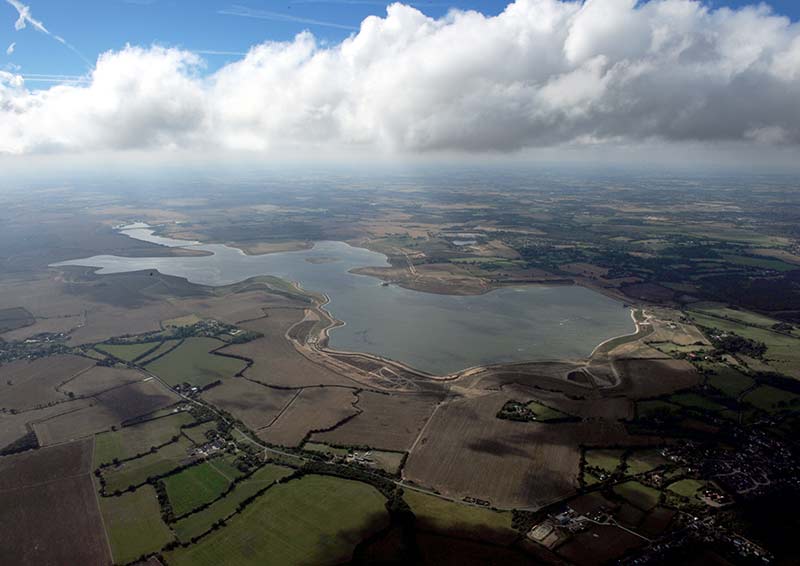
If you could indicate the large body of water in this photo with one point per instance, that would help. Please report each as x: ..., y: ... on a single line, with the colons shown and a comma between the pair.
x: 439, y: 334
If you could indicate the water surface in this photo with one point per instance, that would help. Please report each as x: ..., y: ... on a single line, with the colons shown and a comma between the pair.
x: 438, y: 334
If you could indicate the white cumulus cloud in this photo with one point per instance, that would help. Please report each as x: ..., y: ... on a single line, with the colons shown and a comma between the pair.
x: 10, y: 48
x: 541, y: 73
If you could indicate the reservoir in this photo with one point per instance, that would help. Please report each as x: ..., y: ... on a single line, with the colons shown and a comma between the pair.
x: 439, y: 334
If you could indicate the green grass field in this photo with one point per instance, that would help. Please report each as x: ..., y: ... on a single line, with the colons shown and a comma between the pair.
x: 686, y: 488
x: 730, y: 381
x: 638, y: 495
x: 745, y: 317
x: 324, y: 449
x: 645, y: 409
x: 760, y: 262
x: 312, y: 520
x: 132, y: 440
x: 199, y: 484
x: 696, y: 401
x: 165, y: 346
x: 192, y: 363
x: 606, y: 460
x: 438, y: 514
x: 783, y: 352
x: 643, y: 461
x: 544, y: 413
x: 127, y: 352
x: 137, y: 471
x: 771, y: 398
x: 387, y: 461
x: 197, y: 434
x: 197, y: 523
x: 134, y: 525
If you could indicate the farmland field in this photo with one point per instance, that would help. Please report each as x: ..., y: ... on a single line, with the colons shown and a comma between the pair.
x: 127, y: 352
x: 134, y: 525
x: 192, y: 363
x: 25, y: 384
x: 101, y: 378
x: 687, y: 488
x: 771, y: 398
x: 197, y: 523
x: 637, y: 494
x: 276, y: 362
x: 13, y: 318
x: 466, y: 451
x: 135, y: 472
x: 313, y: 409
x: 387, y: 461
x: 312, y: 520
x: 730, y: 381
x: 390, y: 422
x: 199, y: 484
x: 49, y: 510
x: 643, y: 461
x: 255, y: 405
x: 138, y: 439
x: 165, y: 346
x: 437, y: 514
x: 110, y: 408
x: 606, y: 460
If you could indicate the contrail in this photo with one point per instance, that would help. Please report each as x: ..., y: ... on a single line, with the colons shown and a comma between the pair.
x: 244, y: 12
x: 25, y: 18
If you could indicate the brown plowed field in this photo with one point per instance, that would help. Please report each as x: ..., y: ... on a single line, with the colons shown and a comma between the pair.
x: 256, y: 405
x: 388, y: 422
x: 650, y: 378
x: 315, y: 408
x: 48, y: 509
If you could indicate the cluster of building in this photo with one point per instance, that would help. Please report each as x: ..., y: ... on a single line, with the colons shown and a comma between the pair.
x: 38, y: 346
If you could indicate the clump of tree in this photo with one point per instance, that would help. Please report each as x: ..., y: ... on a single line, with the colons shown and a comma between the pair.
x: 731, y: 343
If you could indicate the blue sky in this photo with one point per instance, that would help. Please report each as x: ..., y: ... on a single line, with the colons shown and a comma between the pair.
x: 95, y: 26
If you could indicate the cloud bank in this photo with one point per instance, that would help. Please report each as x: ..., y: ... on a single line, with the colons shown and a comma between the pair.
x: 542, y: 73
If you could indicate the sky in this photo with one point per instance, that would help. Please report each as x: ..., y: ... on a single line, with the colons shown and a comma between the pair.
x: 362, y: 77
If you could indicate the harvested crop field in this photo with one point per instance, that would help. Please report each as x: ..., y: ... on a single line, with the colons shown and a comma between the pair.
x: 13, y: 427
x: 312, y: 520
x: 651, y: 378
x: 110, y: 408
x: 276, y: 362
x: 25, y: 385
x: 49, y: 510
x: 466, y: 451
x: 598, y: 545
x: 314, y: 408
x: 13, y: 318
x: 134, y: 524
x: 389, y: 422
x: 192, y: 362
x: 256, y: 405
x: 451, y: 518
x: 99, y: 379
x: 134, y: 440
